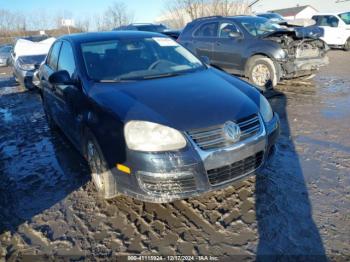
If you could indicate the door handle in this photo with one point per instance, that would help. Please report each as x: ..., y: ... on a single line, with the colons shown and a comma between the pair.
x: 218, y: 43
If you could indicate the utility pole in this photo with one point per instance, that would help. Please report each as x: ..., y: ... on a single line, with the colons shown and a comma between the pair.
x: 253, y: 3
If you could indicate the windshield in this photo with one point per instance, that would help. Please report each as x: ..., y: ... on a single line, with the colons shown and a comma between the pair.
x: 345, y: 17
x: 136, y: 59
x: 151, y: 28
x: 260, y: 26
x: 32, y: 59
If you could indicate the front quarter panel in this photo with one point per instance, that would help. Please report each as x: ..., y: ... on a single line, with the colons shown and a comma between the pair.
x: 268, y: 48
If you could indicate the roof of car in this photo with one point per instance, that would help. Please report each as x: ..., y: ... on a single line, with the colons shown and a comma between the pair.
x: 337, y: 13
x: 236, y: 17
x: 97, y: 36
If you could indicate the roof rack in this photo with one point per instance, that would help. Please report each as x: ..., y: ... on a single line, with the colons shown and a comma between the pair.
x: 207, y: 17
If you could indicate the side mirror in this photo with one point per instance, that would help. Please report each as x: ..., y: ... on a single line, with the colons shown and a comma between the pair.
x: 235, y: 35
x: 61, y: 78
x: 205, y: 60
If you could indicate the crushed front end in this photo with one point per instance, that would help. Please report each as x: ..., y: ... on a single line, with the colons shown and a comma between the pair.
x: 303, y: 56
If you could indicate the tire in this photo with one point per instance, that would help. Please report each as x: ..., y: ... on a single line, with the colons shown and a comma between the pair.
x: 347, y: 45
x: 28, y: 85
x: 102, y: 177
x: 262, y: 72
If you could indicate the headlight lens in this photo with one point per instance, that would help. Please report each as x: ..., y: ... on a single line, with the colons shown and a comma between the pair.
x: 26, y: 67
x: 152, y: 137
x: 265, y: 109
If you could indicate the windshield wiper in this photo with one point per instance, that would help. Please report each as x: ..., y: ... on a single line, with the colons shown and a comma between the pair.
x: 116, y: 80
x: 161, y: 75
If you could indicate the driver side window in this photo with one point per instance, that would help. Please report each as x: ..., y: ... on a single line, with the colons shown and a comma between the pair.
x: 226, y: 29
x: 53, y: 56
x: 66, y: 59
x: 327, y: 20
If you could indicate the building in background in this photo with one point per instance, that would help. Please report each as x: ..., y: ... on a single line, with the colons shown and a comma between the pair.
x: 259, y: 6
x: 298, y: 12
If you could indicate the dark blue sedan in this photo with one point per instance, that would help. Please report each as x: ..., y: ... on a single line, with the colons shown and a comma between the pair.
x: 152, y: 120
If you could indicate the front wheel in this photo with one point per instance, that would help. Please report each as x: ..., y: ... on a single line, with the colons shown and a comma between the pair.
x: 102, y: 177
x: 262, y: 72
x: 347, y: 45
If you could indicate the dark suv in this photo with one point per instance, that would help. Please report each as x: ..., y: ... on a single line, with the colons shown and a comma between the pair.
x: 156, y: 28
x: 255, y: 48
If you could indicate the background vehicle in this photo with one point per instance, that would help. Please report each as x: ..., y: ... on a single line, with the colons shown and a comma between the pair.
x: 336, y: 29
x: 255, y: 48
x: 24, y: 69
x: 156, y: 28
x: 26, y: 57
x: 140, y: 108
x: 5, y: 55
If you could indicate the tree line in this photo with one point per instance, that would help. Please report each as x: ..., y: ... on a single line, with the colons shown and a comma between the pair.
x: 175, y: 13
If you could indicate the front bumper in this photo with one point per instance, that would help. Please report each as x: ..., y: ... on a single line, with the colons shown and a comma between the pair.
x: 169, y: 176
x: 24, y: 77
x: 302, y: 66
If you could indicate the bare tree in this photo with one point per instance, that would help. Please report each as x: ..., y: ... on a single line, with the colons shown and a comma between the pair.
x: 179, y: 12
x: 12, y: 22
x: 117, y: 15
x: 193, y: 8
x: 98, y: 22
x: 83, y: 24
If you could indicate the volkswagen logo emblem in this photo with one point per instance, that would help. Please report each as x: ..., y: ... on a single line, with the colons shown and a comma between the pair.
x: 232, y: 131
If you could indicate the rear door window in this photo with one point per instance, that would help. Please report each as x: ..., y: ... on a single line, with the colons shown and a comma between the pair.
x: 207, y: 30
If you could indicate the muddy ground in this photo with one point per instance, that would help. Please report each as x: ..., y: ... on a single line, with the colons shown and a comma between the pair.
x: 298, y: 205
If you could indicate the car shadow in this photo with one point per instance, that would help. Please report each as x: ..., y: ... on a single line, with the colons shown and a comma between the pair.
x: 283, y: 208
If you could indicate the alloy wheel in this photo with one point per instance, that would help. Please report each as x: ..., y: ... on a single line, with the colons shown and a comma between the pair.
x: 261, y: 74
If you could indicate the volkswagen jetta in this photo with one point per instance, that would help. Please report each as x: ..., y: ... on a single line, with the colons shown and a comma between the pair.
x: 152, y: 120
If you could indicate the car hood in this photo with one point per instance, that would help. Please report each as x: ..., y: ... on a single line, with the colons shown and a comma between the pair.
x: 297, y: 32
x: 189, y: 101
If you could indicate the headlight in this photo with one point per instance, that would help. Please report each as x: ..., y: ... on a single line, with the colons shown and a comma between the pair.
x: 265, y: 109
x: 152, y: 137
x: 26, y: 67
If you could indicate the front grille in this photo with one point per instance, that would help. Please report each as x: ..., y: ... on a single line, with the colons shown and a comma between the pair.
x: 214, y: 137
x: 170, y: 185
x: 226, y: 173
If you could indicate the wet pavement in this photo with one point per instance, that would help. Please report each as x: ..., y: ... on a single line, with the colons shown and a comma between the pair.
x: 298, y: 205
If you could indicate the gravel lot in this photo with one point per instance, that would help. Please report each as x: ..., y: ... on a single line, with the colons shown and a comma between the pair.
x: 298, y: 205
